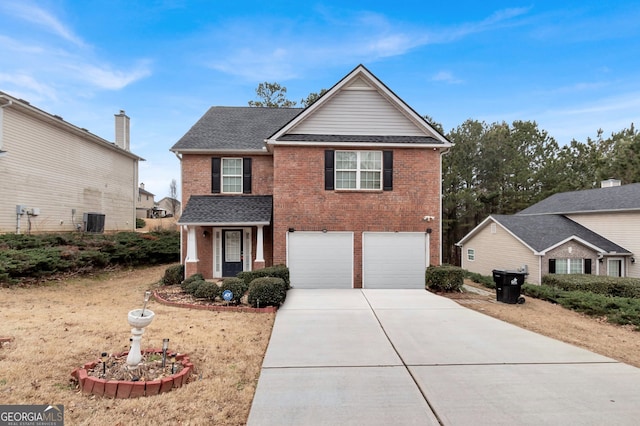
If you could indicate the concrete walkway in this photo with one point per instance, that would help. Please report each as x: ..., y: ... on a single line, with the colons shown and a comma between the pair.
x: 409, y: 357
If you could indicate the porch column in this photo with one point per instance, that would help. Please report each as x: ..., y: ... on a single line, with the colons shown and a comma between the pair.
x: 259, y: 262
x: 191, y: 261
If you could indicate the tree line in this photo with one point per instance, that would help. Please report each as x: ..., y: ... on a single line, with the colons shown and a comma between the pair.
x: 502, y: 168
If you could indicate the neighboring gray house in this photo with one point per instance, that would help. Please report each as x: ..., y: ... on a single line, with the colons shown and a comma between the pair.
x: 57, y: 177
x: 595, y: 231
x: 169, y: 206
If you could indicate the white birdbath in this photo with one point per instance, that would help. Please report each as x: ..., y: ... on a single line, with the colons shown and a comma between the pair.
x: 138, y: 322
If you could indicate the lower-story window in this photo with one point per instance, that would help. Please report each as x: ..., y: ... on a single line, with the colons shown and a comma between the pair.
x: 570, y: 266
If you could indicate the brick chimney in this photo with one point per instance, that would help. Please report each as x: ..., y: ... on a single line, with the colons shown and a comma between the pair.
x: 122, y: 130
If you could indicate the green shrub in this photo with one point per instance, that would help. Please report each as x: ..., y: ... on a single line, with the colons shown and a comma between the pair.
x: 207, y: 290
x: 542, y: 292
x: 192, y: 285
x: 617, y: 310
x: 444, y: 278
x: 278, y: 271
x: 41, y: 256
x: 237, y: 286
x: 599, y: 284
x: 140, y: 223
x: 173, y: 275
x: 188, y: 281
x: 267, y: 291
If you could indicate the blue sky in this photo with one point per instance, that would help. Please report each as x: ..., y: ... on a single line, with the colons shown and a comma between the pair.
x: 573, y: 67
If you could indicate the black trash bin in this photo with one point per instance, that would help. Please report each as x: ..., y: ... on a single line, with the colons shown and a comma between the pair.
x: 508, y: 285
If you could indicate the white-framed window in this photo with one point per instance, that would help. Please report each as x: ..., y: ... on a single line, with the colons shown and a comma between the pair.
x: 569, y: 266
x: 615, y: 267
x: 471, y: 254
x: 493, y: 228
x: 232, y: 175
x: 359, y: 170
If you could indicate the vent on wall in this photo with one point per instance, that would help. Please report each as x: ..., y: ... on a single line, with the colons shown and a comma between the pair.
x: 93, y: 222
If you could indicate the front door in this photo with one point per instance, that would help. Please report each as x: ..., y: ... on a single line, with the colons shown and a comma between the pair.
x: 231, y: 252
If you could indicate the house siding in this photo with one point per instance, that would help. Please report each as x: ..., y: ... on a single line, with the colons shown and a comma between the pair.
x: 621, y: 228
x: 55, y: 170
x: 499, y: 251
x: 302, y: 203
x: 358, y: 112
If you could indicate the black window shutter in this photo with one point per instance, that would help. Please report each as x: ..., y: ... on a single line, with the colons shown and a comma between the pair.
x: 246, y: 175
x: 387, y: 170
x: 552, y: 266
x: 329, y: 155
x: 587, y: 266
x: 215, y: 175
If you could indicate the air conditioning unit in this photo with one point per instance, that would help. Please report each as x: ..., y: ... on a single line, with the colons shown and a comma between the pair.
x: 93, y: 222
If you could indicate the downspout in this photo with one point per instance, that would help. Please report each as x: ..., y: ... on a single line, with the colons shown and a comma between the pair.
x: 9, y: 103
x: 182, y: 259
x: 442, y: 153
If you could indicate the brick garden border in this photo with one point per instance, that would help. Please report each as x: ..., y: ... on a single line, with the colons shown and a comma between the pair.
x: 123, y: 389
x: 265, y: 310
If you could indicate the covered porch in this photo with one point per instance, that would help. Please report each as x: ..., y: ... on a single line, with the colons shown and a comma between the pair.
x: 225, y: 235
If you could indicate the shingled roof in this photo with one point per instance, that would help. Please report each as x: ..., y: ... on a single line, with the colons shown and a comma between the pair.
x: 617, y: 198
x: 227, y: 210
x: 541, y: 232
x: 234, y: 128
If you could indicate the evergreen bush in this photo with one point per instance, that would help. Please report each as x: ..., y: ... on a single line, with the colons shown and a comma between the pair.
x: 267, y: 291
x: 237, y: 286
x: 444, y: 278
x: 173, y: 275
x: 278, y: 271
x: 207, y: 290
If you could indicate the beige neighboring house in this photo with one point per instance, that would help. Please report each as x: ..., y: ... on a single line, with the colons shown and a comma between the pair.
x: 57, y: 177
x: 169, y: 207
x: 594, y: 231
x: 146, y: 203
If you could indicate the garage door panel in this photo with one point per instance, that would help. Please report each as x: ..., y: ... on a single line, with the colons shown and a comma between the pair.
x: 394, y: 259
x: 320, y: 259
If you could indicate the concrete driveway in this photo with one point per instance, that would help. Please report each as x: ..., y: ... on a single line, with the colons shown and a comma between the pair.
x: 404, y: 357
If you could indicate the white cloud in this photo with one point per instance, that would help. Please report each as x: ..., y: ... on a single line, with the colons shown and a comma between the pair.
x: 104, y: 77
x: 32, y: 13
x: 446, y: 77
x: 285, y: 51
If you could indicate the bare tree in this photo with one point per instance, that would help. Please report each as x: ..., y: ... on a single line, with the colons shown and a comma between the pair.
x: 173, y: 196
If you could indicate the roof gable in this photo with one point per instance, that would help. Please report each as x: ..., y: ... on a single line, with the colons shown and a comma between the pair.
x: 543, y: 232
x: 359, y: 106
x: 617, y: 198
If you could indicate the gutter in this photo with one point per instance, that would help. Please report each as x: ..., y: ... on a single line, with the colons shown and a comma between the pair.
x: 8, y: 104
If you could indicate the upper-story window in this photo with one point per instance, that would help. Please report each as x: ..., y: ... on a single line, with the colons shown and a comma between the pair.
x: 359, y: 170
x: 232, y: 175
x: 353, y: 170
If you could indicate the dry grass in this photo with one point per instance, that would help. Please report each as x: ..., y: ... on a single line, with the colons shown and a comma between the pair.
x: 63, y: 325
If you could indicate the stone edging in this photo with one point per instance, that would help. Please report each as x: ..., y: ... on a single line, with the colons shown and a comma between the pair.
x: 265, y: 310
x: 123, y: 389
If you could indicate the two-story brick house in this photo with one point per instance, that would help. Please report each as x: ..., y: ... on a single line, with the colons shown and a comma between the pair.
x: 346, y: 192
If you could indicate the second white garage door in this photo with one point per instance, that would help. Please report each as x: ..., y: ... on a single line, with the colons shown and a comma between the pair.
x: 320, y: 259
x: 394, y: 259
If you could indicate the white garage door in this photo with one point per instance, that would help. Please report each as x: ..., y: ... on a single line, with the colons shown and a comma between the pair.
x: 320, y: 259
x: 394, y: 259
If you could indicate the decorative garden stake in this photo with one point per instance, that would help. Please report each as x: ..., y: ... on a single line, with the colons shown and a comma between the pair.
x: 103, y: 357
x: 173, y: 363
x: 165, y: 346
x: 138, y: 321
